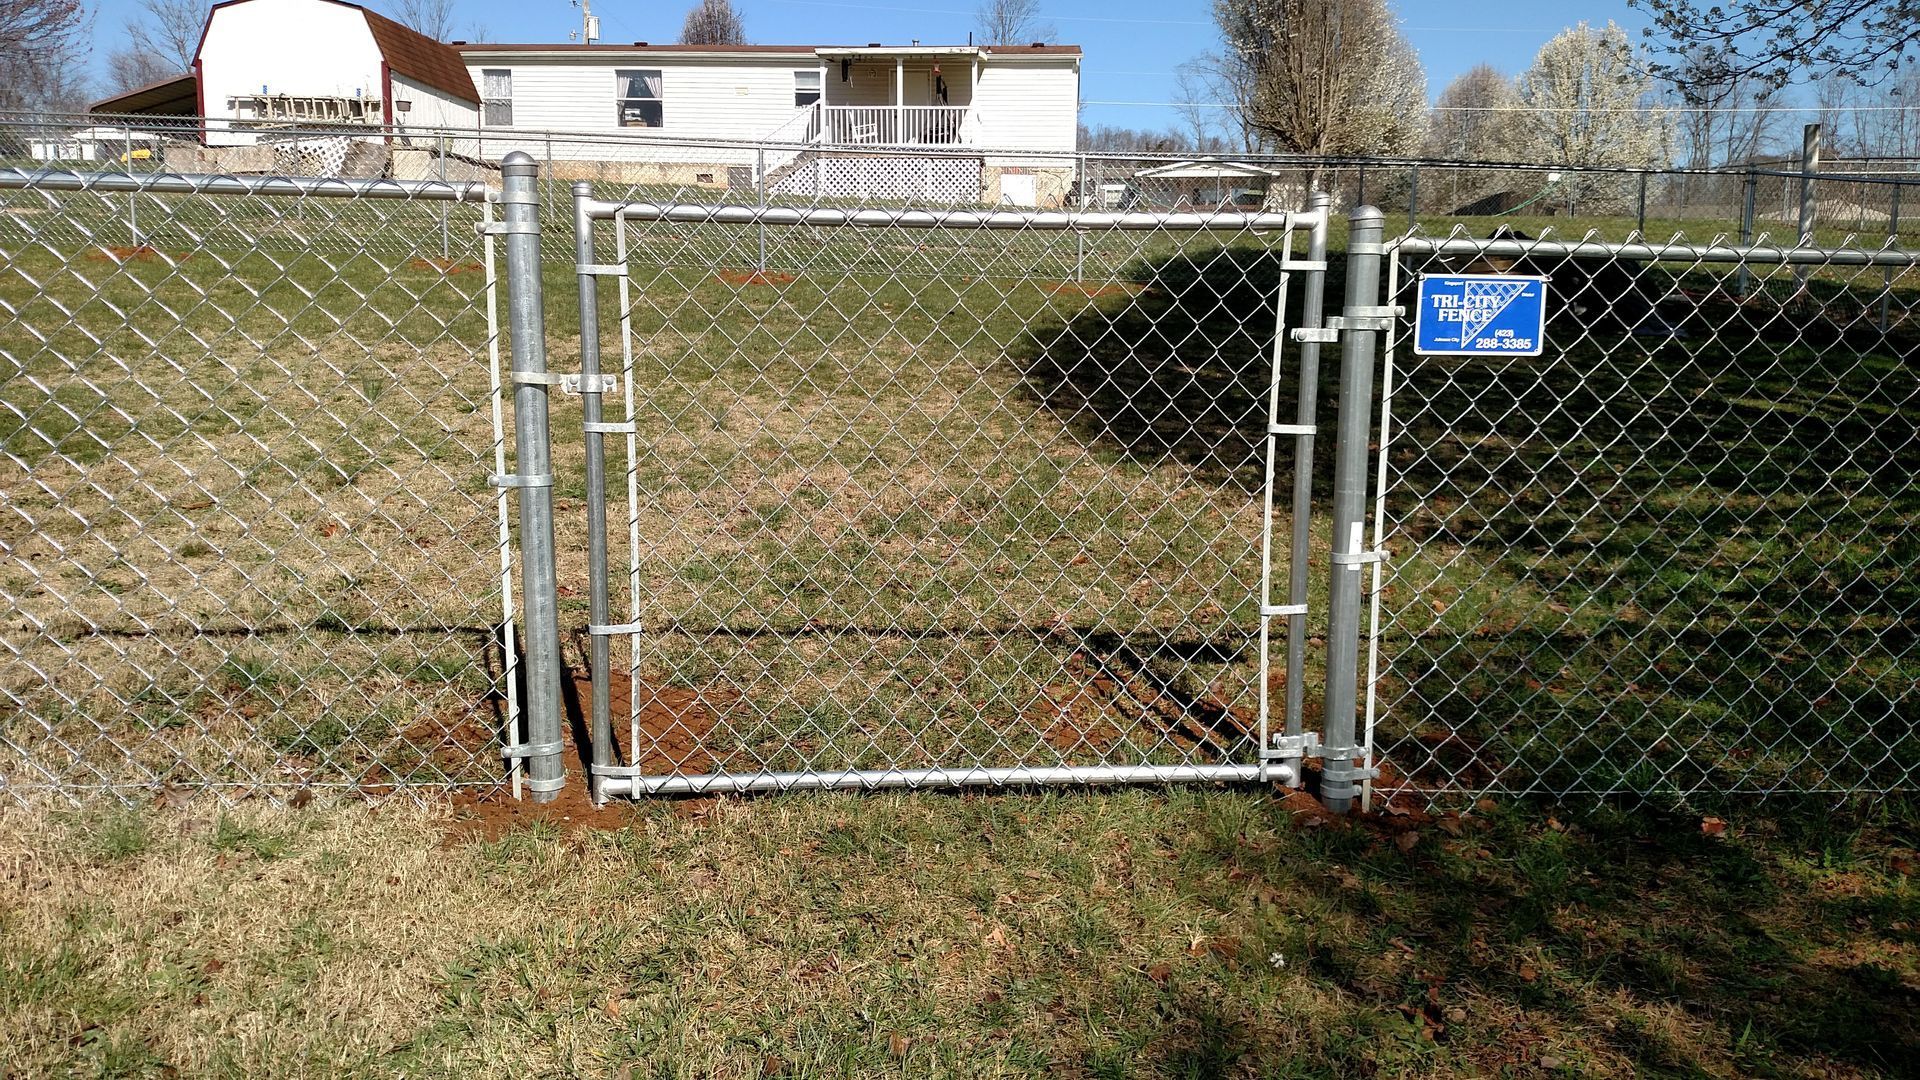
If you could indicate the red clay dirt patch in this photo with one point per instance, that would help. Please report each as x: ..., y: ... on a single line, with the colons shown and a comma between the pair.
x: 753, y: 277
x: 444, y: 266
x: 1077, y: 716
x: 675, y: 726
x: 141, y: 253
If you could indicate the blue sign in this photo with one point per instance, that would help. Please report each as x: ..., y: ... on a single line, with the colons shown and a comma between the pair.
x: 1476, y: 314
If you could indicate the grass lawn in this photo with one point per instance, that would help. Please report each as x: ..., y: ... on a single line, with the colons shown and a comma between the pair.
x: 1193, y: 932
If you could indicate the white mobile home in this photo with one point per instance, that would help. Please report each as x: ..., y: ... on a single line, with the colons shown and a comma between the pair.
x: 994, y: 123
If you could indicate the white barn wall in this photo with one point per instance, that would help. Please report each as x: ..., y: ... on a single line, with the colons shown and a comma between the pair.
x: 308, y: 47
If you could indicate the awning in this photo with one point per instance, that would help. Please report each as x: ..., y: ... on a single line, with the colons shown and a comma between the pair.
x: 178, y: 96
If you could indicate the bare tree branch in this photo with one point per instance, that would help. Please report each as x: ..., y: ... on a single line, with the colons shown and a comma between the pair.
x: 713, y: 22
x: 1012, y: 22
x: 433, y: 18
x: 1777, y: 40
x: 42, y: 44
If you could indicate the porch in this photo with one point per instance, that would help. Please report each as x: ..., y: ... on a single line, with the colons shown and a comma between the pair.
x: 875, y: 96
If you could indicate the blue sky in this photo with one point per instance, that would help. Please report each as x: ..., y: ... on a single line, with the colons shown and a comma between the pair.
x: 1132, y: 46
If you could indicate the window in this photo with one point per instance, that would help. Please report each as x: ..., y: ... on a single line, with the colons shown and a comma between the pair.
x: 639, y: 98
x: 806, y: 88
x: 496, y: 97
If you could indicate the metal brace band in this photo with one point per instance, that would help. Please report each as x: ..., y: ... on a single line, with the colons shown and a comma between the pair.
x: 1304, y: 264
x: 610, y: 629
x: 1359, y: 322
x: 1325, y: 335
x: 600, y: 269
x: 526, y: 750
x: 1383, y: 311
x: 569, y: 382
x: 1292, y: 429
x: 514, y: 198
x: 554, y: 784
x: 514, y: 480
x: 507, y: 228
x: 1357, y: 559
x: 609, y: 427
x: 1366, y: 249
x: 1283, y: 609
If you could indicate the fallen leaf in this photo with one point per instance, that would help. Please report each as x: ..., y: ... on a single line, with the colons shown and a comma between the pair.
x: 1901, y: 865
x: 212, y: 967
x: 1486, y: 806
x: 1396, y: 810
x: 612, y: 1008
x: 300, y: 799
x: 1406, y: 841
x: 1451, y: 826
x: 1550, y: 1062
x: 772, y: 1066
x: 1159, y: 973
x: 1528, y: 973
x: 1712, y: 826
x: 1456, y: 1015
x: 900, y: 1044
x: 996, y: 938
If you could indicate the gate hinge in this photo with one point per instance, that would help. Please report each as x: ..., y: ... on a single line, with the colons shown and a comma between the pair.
x: 1307, y: 745
x: 1291, y: 747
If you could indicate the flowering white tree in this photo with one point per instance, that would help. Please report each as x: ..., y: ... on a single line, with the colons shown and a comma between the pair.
x: 1587, y: 103
x: 1324, y: 77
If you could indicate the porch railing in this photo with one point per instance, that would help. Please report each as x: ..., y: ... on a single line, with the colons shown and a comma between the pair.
x: 891, y: 125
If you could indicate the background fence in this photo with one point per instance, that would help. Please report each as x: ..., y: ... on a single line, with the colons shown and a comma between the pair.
x: 928, y: 495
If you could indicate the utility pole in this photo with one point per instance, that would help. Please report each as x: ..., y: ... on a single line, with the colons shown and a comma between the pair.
x: 589, y: 26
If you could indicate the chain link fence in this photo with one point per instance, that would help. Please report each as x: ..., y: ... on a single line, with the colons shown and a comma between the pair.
x: 908, y: 487
x: 245, y: 431
x: 1673, y: 554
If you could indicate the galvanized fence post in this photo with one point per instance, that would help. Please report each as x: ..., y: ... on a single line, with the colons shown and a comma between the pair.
x: 1360, y: 320
x: 533, y: 458
x: 1312, y: 304
x: 1743, y: 278
x: 586, y: 271
x: 1893, y: 241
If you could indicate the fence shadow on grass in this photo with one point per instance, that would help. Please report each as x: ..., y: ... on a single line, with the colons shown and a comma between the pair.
x: 1674, y: 553
x: 1178, y: 371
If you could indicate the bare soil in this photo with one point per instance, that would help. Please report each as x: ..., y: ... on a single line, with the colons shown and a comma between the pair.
x: 753, y: 277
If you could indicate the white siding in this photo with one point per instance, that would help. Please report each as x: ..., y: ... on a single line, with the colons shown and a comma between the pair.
x: 729, y: 99
x: 307, y: 47
x: 1029, y: 105
x: 431, y: 108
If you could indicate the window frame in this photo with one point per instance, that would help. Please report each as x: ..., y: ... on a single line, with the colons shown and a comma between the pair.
x: 623, y: 79
x: 492, y: 108
x: 818, y: 89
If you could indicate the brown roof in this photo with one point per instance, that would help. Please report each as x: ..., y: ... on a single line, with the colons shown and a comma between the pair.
x: 420, y: 58
x: 1016, y: 50
x: 177, y: 95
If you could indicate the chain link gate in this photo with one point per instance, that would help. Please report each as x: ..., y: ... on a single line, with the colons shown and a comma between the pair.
x: 905, y: 505
x: 245, y: 424
x: 1671, y: 556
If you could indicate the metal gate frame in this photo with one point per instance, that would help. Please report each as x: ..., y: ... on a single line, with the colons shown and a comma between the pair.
x: 1281, y: 754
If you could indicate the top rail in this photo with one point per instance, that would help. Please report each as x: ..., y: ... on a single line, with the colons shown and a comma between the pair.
x: 199, y: 184
x: 1643, y: 252
x: 1049, y: 220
